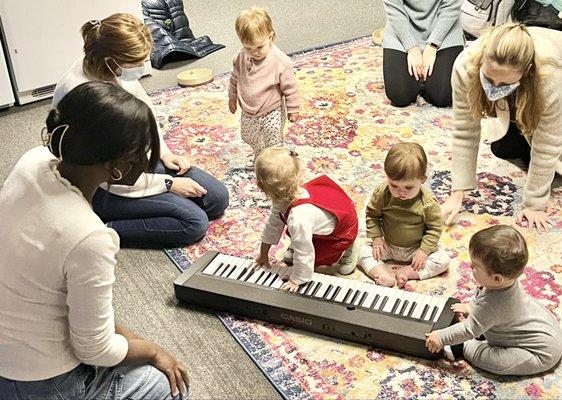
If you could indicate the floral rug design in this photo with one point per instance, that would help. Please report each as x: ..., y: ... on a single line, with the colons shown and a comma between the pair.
x: 346, y: 128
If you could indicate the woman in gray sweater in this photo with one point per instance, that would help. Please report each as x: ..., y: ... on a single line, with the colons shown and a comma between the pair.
x: 422, y: 39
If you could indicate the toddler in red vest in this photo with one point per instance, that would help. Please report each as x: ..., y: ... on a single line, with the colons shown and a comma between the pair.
x: 320, y: 218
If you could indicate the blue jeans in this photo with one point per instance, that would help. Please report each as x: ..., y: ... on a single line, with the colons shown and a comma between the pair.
x: 129, y: 382
x: 163, y: 220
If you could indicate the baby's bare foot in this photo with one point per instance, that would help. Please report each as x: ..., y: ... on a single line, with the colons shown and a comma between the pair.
x: 381, y: 276
x: 404, y: 275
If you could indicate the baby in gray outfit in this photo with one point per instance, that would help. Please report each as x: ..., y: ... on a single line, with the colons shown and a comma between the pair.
x: 521, y: 337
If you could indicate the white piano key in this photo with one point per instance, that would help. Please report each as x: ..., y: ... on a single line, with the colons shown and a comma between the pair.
x: 372, y: 292
x: 364, y: 289
x: 392, y: 296
x: 381, y: 293
x: 354, y: 289
x: 229, y: 265
x: 407, y: 297
x: 236, y: 273
x: 344, y: 287
x: 274, y: 270
x: 249, y: 271
x: 326, y: 281
x: 271, y: 277
x: 330, y: 288
x: 420, y: 304
x: 440, y: 307
x: 434, y: 302
x: 265, y: 275
x: 211, y: 267
x: 279, y: 281
x: 256, y: 275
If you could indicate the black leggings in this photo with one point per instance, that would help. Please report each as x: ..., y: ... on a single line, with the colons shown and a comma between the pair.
x: 512, y: 146
x: 402, y: 89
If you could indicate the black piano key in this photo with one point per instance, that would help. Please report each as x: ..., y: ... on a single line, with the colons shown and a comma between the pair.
x: 395, y: 306
x: 259, y: 276
x: 338, y: 288
x: 414, y: 304
x: 265, y: 278
x: 433, y: 313
x: 272, y: 279
x: 228, y: 270
x: 316, y: 289
x: 252, y: 272
x: 363, y: 297
x: 424, y: 311
x: 354, y: 297
x: 231, y: 271
x: 218, y: 267
x: 311, y: 289
x: 327, y: 292
x: 242, y: 273
x: 403, y: 308
x: 383, y: 303
x: 377, y: 297
x: 305, y: 287
x: 349, y: 291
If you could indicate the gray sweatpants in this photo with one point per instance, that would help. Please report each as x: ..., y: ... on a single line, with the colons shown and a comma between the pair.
x: 509, y: 360
x: 263, y: 131
x: 436, y: 263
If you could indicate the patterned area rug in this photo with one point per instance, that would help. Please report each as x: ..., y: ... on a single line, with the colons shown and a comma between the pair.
x: 346, y: 129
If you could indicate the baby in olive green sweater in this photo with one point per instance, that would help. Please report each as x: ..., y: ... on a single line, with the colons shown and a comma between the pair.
x: 403, y: 222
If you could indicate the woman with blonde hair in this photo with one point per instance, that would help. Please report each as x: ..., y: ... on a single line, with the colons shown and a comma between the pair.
x: 319, y: 216
x: 511, y: 80
x: 172, y: 206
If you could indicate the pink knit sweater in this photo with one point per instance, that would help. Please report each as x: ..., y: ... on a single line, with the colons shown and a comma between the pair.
x: 261, y: 85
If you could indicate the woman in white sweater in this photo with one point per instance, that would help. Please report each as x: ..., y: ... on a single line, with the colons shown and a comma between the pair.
x: 175, y: 207
x: 58, y: 336
x: 511, y: 81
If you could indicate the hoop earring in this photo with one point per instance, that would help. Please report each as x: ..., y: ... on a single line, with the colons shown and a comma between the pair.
x: 118, y: 173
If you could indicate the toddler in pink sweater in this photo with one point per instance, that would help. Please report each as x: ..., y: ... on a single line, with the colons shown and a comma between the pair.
x: 262, y: 82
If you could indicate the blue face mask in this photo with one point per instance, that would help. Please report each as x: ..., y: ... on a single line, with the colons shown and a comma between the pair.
x: 127, y: 74
x: 494, y: 93
x: 132, y: 74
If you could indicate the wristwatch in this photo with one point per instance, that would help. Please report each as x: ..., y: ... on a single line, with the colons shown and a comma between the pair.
x: 433, y: 45
x: 168, y: 183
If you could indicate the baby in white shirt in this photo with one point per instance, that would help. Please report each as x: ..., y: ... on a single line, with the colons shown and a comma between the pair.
x: 320, y: 218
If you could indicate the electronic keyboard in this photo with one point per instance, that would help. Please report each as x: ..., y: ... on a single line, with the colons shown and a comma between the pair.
x: 349, y: 309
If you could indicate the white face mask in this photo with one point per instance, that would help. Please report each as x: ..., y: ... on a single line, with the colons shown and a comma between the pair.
x: 494, y: 93
x: 127, y: 74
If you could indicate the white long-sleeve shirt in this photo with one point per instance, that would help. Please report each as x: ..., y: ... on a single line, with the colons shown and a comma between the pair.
x: 303, y: 221
x: 57, y: 262
x: 147, y: 184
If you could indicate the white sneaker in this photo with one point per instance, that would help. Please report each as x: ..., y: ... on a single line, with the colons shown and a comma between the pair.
x: 348, y: 261
x: 288, y: 256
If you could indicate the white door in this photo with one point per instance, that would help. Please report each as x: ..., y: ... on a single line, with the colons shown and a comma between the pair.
x: 6, y: 94
x: 43, y: 37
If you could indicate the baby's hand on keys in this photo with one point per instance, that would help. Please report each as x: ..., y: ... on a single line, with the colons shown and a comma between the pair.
x: 461, y: 309
x: 262, y: 261
x: 290, y: 286
x: 418, y: 261
x: 379, y: 245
